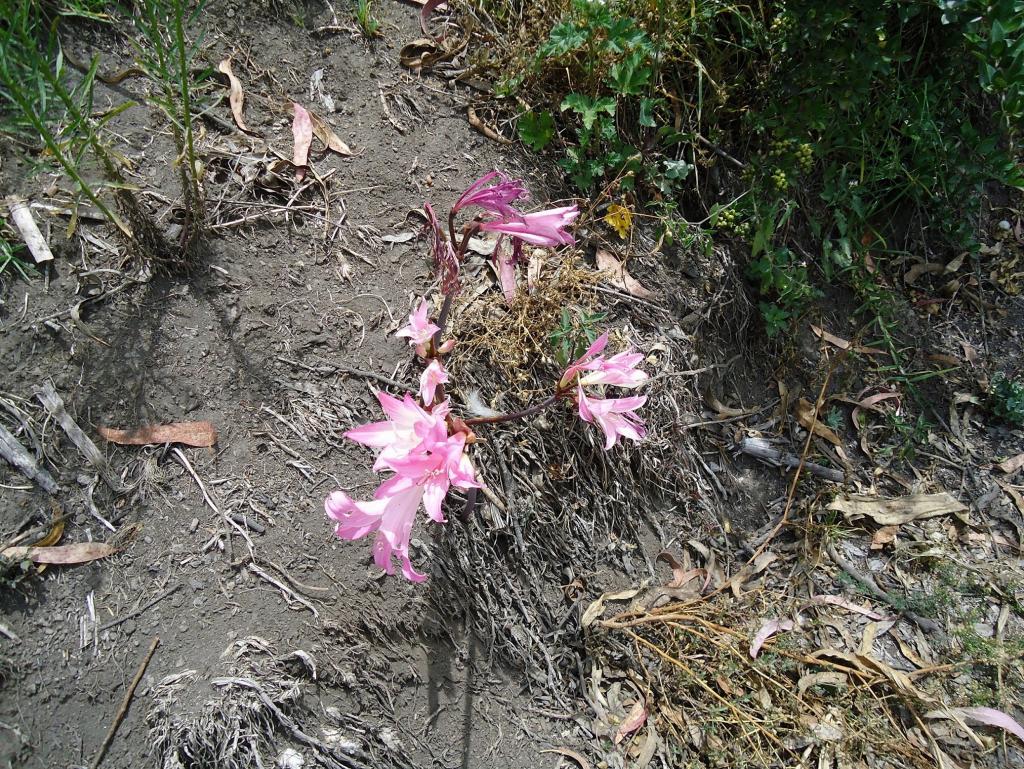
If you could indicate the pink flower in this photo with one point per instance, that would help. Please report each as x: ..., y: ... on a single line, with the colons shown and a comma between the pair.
x: 619, y: 370
x: 391, y: 516
x: 424, y: 474
x: 584, y: 361
x: 419, y: 329
x: 446, y: 263
x: 541, y: 228
x: 432, y: 376
x: 408, y: 428
x: 615, y: 416
x: 436, y: 471
x: 497, y: 198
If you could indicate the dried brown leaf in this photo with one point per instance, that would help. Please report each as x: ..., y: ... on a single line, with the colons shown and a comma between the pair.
x: 805, y: 414
x: 768, y: 629
x: 633, y: 721
x: 200, y: 434
x: 1012, y: 465
x: 616, y: 270
x: 896, y: 511
x: 236, y: 96
x: 67, y: 555
x: 302, y: 132
x: 323, y: 131
x: 569, y: 753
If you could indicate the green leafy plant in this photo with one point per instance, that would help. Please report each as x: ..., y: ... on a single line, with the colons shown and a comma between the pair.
x: 165, y: 54
x: 10, y: 257
x: 368, y: 23
x: 577, y: 330
x: 1006, y: 399
x: 36, y: 99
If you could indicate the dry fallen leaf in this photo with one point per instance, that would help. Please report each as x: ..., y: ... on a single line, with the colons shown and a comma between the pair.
x: 236, y: 97
x: 633, y: 721
x: 805, y: 414
x: 568, y: 753
x: 896, y: 511
x: 326, y: 134
x: 768, y: 629
x: 302, y: 131
x: 80, y: 552
x: 884, y: 536
x: 199, y: 434
x: 616, y: 270
x: 597, y: 607
x: 844, y: 344
x: 1012, y: 465
x: 986, y: 716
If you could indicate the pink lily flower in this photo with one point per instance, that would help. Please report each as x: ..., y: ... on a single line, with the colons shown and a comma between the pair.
x: 409, y: 428
x: 391, y: 517
x: 584, y: 362
x: 419, y: 330
x: 617, y: 417
x: 421, y: 476
x: 497, y: 198
x: 541, y: 228
x: 432, y: 376
x: 619, y: 370
x: 436, y: 471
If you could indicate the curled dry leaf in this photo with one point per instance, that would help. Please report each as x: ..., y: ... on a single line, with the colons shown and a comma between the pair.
x: 768, y: 629
x: 597, y: 607
x: 806, y: 416
x: 844, y: 344
x: 633, y: 721
x: 429, y: 6
x: 569, y: 753
x: 838, y: 600
x: 200, y: 434
x: 302, y: 132
x: 896, y: 511
x: 81, y: 552
x: 1012, y: 465
x: 986, y: 716
x: 616, y: 270
x: 236, y: 97
x: 325, y: 134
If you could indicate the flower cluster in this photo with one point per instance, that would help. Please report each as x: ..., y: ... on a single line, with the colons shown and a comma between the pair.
x: 616, y: 417
x: 495, y: 193
x: 421, y: 443
x: 426, y: 460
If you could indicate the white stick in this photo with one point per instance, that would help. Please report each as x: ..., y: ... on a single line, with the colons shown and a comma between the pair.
x: 29, y: 231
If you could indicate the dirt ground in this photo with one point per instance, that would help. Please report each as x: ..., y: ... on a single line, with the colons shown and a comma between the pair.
x: 267, y: 624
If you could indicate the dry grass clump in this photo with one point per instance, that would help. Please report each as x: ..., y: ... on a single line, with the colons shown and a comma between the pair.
x: 514, y: 341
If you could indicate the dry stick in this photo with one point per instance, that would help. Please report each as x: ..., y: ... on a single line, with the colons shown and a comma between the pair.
x: 125, y: 703
x: 140, y: 610
x: 16, y: 454
x: 927, y: 625
x: 760, y: 449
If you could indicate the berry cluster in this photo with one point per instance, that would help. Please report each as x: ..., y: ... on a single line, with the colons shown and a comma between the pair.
x: 729, y: 221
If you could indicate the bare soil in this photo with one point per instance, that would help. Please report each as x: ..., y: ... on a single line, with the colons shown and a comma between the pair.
x: 278, y: 644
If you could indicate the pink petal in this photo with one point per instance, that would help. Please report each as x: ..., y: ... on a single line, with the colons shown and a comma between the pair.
x: 768, y: 629
x: 376, y: 434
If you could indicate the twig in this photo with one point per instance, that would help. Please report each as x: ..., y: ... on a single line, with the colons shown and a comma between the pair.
x: 759, y: 449
x: 6, y: 631
x: 720, y: 152
x: 131, y: 615
x: 18, y: 456
x: 54, y: 406
x: 927, y: 625
x: 371, y: 375
x: 288, y: 592
x: 121, y: 711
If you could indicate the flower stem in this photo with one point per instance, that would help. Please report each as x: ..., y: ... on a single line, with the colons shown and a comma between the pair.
x: 529, y: 412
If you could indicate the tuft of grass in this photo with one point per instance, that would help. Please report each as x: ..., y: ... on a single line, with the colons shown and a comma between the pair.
x: 365, y: 18
x: 164, y: 52
x: 11, y: 260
